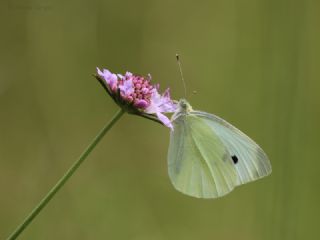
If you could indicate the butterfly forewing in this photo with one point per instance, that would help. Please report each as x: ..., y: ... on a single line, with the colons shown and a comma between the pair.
x: 251, y: 161
x: 199, y: 163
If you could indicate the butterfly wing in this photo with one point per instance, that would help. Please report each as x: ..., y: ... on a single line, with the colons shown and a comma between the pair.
x: 198, y: 162
x: 251, y: 161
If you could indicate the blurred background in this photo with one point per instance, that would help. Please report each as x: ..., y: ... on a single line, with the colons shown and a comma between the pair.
x: 253, y: 62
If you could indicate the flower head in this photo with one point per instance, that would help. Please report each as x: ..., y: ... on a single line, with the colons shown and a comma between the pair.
x: 137, y: 95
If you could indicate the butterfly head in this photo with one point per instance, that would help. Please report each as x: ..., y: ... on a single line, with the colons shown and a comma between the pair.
x: 184, y: 106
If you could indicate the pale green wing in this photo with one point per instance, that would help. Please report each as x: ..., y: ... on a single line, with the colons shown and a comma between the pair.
x: 198, y: 162
x: 251, y: 161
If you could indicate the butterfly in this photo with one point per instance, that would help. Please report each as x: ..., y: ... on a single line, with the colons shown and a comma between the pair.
x: 208, y: 157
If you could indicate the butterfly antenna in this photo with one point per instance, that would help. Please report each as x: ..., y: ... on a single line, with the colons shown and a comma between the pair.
x: 181, y: 74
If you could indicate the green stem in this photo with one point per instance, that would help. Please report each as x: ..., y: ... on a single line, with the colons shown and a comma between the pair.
x: 65, y: 177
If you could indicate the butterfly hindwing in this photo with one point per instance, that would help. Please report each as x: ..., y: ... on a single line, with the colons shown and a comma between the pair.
x: 251, y: 162
x: 198, y: 161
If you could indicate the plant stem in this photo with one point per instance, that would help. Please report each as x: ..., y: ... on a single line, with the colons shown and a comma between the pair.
x: 65, y: 177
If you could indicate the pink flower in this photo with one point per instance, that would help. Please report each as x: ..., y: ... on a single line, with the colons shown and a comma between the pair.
x: 137, y: 95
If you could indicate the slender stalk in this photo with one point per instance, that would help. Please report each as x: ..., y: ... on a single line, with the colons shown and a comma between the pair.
x: 65, y: 177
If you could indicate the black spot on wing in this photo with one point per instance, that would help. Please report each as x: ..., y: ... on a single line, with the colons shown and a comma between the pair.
x: 234, y: 159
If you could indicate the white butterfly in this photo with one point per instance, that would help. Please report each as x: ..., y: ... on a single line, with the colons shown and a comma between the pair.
x: 208, y: 156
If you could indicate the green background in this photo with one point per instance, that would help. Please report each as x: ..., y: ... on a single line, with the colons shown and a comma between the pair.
x: 253, y: 62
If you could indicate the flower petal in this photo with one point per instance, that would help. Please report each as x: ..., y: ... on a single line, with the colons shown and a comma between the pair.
x: 165, y: 120
x: 160, y: 103
x: 128, y: 75
x: 127, y: 87
x: 110, y: 78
